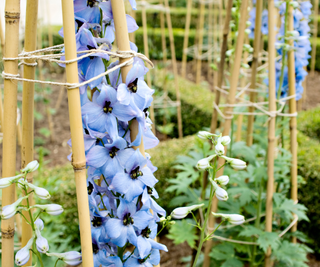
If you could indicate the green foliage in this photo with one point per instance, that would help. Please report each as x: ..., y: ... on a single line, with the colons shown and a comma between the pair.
x: 226, y: 253
x: 309, y: 122
x: 268, y: 239
x: 183, y: 231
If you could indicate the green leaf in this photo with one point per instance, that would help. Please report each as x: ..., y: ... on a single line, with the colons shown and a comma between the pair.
x: 267, y: 239
x: 287, y: 207
x: 183, y: 231
x: 250, y: 231
x: 45, y: 132
x: 223, y: 251
x: 232, y: 262
x: 243, y: 194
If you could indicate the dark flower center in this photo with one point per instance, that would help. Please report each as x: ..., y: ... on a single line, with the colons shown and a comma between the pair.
x: 133, y: 87
x: 90, y: 188
x: 146, y: 232
x: 91, y: 3
x: 86, y: 131
x: 79, y: 23
x: 145, y: 112
x: 96, y: 221
x: 134, y: 174
x: 107, y: 108
x: 113, y: 152
x: 127, y: 220
x: 95, y: 248
x: 150, y: 190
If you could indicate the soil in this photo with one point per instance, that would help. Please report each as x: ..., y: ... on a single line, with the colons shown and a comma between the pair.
x: 58, y: 150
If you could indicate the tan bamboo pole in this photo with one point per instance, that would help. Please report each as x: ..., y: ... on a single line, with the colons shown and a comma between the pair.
x: 227, y: 124
x: 293, y: 119
x: 272, y: 120
x: 12, y: 18
x: 196, y: 39
x: 224, y: 47
x: 146, y: 52
x: 27, y: 149
x: 174, y: 66
x: 186, y: 39
x: 1, y: 37
x: 210, y: 41
x: 200, y: 42
x: 78, y: 154
x: 254, y: 66
x: 133, y: 34
x: 50, y: 36
x: 315, y: 36
x: 1, y: 110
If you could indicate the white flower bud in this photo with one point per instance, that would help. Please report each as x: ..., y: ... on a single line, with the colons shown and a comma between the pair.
x: 5, y: 182
x: 204, y: 164
x: 219, y: 148
x: 71, y: 257
x: 40, y: 192
x: 41, y: 243
x: 221, y: 194
x: 206, y: 135
x: 52, y: 209
x: 237, y: 164
x: 234, y: 219
x: 31, y: 167
x: 222, y: 180
x: 163, y: 219
x: 10, y: 210
x: 182, y: 212
x: 225, y: 140
x: 23, y: 255
x: 39, y: 223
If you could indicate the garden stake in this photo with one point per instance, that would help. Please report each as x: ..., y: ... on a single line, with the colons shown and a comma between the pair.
x: 1, y: 110
x: 254, y: 66
x: 230, y: 100
x: 214, y: 118
x: 315, y: 35
x: 132, y: 35
x: 293, y: 119
x: 272, y: 121
x: 1, y: 37
x: 78, y: 154
x: 210, y: 41
x: 12, y: 18
x: 175, y: 69
x: 186, y: 39
x: 146, y: 52
x: 200, y: 43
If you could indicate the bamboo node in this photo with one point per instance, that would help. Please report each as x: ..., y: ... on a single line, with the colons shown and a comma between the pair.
x: 12, y: 15
x: 78, y: 166
x: 8, y: 233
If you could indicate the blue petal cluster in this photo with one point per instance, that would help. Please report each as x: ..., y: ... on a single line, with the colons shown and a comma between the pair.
x: 120, y: 180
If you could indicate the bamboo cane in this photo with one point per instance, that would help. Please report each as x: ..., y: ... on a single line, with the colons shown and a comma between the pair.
x: 12, y: 18
x: 1, y: 37
x: 146, y: 52
x: 254, y: 66
x: 1, y: 110
x: 200, y: 43
x: 293, y: 119
x: 186, y: 39
x: 133, y: 34
x: 214, y: 118
x: 210, y: 41
x: 272, y: 120
x: 27, y: 149
x: 78, y: 154
x: 230, y: 100
x: 315, y: 35
x: 174, y: 66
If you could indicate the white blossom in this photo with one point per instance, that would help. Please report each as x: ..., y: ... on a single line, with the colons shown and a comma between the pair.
x: 52, y: 209
x: 70, y: 257
x: 234, y: 219
x: 204, y: 164
x: 23, y: 255
x: 182, y: 212
x: 31, y: 167
x: 237, y: 164
x: 222, y: 180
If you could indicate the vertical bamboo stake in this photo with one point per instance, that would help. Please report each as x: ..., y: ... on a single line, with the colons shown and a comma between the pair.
x: 214, y: 119
x: 1, y: 110
x: 200, y: 43
x: 256, y: 47
x: 315, y: 35
x: 230, y: 100
x: 133, y: 34
x: 27, y: 152
x: 174, y: 66
x: 186, y: 39
x: 12, y: 18
x: 146, y: 53
x: 78, y: 154
x: 272, y: 120
x: 293, y: 119
x: 1, y: 37
x: 50, y: 36
x: 210, y: 40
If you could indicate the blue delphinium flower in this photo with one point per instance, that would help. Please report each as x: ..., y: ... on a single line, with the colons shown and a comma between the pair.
x: 135, y: 260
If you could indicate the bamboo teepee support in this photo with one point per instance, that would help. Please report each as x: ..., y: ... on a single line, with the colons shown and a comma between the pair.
x: 272, y: 121
x: 174, y: 66
x: 78, y: 154
x: 214, y: 119
x: 200, y: 42
x: 230, y: 100
x: 12, y: 18
x: 146, y: 53
x: 315, y: 35
x: 1, y: 37
x: 186, y: 39
x: 293, y: 119
x: 254, y: 66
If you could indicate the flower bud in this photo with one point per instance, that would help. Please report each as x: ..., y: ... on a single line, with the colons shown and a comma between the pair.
x: 222, y: 180
x: 225, y: 140
x: 52, y: 209
x: 10, y: 210
x: 5, y: 182
x: 221, y: 194
x: 23, y: 255
x: 40, y: 192
x: 237, y: 164
x: 172, y: 222
x: 234, y: 219
x: 41, y: 243
x: 31, y: 167
x: 219, y: 148
x: 162, y: 219
x: 71, y: 257
x: 204, y: 164
x: 182, y: 212
x: 39, y: 223
x: 205, y: 135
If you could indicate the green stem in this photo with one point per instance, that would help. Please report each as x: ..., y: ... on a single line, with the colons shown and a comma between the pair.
x: 209, y: 236
x: 55, y: 265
